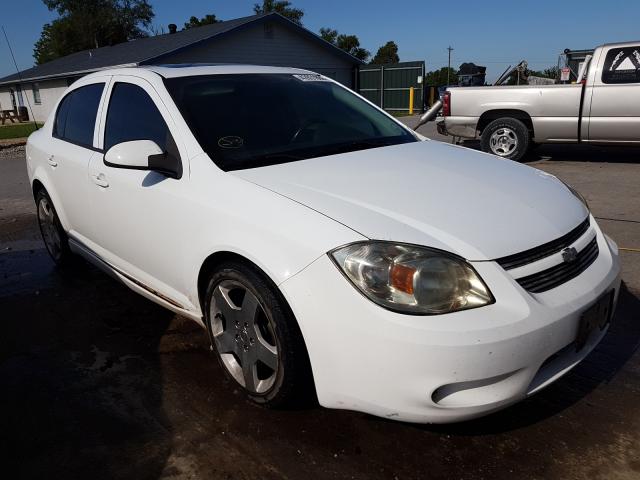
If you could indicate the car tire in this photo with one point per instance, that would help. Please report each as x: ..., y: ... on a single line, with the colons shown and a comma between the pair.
x: 54, y: 237
x: 255, y: 337
x: 507, y: 138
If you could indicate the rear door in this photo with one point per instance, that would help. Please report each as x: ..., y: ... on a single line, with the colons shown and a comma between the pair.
x: 70, y: 151
x: 615, y: 96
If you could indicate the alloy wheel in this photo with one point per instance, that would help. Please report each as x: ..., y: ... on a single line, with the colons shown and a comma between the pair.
x: 503, y: 142
x: 244, y: 336
x: 49, y: 228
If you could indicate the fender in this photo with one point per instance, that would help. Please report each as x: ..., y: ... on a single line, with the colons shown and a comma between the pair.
x: 279, y: 246
x: 40, y: 174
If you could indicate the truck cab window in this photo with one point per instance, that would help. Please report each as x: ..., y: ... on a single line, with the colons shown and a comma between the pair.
x: 622, y: 65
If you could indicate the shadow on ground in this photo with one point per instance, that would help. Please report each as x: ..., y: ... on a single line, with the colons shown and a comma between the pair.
x: 80, y: 374
x: 574, y: 153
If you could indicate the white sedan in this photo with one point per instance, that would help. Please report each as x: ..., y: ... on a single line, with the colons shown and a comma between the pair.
x: 323, y: 244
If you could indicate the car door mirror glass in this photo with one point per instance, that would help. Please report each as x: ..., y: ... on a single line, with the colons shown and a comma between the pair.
x: 142, y: 155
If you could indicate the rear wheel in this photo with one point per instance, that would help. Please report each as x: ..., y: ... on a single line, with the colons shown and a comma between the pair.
x: 256, y: 338
x: 507, y: 138
x: 53, y: 235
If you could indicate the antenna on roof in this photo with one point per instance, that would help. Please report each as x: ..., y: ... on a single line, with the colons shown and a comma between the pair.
x: 19, y: 77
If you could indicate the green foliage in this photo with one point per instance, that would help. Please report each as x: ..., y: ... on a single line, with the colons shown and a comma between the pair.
x: 388, y: 53
x: 198, y: 22
x: 283, y: 7
x: 86, y: 24
x: 329, y: 34
x: 348, y: 43
x: 551, y: 72
x: 20, y: 130
x: 44, y: 50
x: 439, y: 77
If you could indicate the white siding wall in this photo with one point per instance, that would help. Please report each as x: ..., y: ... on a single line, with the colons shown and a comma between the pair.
x: 281, y: 47
x: 50, y: 92
x: 5, y: 99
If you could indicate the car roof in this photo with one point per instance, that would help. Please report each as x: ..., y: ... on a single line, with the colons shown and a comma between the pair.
x: 194, y: 69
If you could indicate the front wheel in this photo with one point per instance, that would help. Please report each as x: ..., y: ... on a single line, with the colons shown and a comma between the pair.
x: 257, y: 340
x: 506, y: 138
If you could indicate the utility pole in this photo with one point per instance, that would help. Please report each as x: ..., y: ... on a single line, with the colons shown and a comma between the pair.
x: 449, y: 67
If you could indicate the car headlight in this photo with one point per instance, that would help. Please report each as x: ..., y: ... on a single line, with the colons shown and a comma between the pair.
x: 577, y: 194
x: 412, y: 279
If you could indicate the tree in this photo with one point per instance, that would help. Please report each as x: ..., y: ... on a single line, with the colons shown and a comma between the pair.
x: 388, y: 53
x: 439, y: 77
x: 44, y: 49
x: 551, y: 72
x: 329, y: 34
x: 87, y: 24
x: 347, y: 43
x: 198, y: 22
x: 283, y: 7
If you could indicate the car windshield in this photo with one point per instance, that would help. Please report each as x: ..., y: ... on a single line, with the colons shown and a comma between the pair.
x: 254, y: 120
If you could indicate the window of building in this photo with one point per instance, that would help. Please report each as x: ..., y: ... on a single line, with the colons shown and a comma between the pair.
x: 622, y: 65
x: 35, y: 88
x: 76, y: 116
x: 19, y: 96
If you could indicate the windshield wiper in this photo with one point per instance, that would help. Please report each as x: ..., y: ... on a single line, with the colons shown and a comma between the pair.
x: 270, y: 159
x: 356, y: 145
x: 280, y: 156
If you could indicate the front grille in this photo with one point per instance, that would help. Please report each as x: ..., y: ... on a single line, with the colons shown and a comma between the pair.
x: 544, y: 250
x: 561, y: 273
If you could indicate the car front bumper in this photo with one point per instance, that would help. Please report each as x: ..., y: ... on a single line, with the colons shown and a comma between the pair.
x: 444, y: 368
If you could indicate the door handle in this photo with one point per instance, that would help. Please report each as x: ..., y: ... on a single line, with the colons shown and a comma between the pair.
x: 100, y: 180
x: 51, y: 161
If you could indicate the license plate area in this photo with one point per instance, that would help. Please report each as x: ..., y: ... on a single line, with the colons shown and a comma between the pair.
x: 595, y: 317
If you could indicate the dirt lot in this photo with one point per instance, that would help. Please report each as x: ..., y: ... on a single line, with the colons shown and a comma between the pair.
x: 97, y: 382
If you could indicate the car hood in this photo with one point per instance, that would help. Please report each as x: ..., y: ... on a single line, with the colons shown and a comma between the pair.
x: 430, y: 193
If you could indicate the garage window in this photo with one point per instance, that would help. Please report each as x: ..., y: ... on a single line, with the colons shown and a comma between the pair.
x: 622, y: 65
x: 76, y: 116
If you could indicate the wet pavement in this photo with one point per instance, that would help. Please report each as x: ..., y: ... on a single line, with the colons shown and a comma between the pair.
x: 97, y: 382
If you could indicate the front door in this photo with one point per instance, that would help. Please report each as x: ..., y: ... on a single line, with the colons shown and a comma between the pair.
x: 615, y: 97
x: 138, y: 215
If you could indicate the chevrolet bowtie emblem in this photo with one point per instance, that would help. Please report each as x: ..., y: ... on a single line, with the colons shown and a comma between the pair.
x: 569, y: 254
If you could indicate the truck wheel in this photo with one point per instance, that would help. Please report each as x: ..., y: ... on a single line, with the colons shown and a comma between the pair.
x: 506, y: 137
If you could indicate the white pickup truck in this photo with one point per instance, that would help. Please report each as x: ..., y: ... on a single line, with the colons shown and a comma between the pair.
x: 603, y: 107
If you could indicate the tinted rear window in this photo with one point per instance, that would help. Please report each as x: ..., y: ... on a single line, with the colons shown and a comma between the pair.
x: 76, y: 116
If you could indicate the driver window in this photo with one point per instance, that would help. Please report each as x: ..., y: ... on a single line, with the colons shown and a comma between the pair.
x: 133, y: 115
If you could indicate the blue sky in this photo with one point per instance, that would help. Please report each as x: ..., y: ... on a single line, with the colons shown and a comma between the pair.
x: 486, y: 32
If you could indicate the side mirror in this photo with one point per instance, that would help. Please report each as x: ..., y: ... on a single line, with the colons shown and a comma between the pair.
x: 143, y: 155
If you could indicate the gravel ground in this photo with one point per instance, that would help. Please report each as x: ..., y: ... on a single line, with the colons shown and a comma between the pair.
x: 12, y: 152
